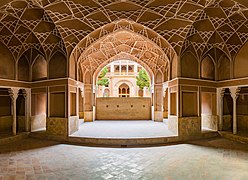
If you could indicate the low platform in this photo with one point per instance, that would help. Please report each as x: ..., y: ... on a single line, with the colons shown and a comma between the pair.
x: 242, y: 136
x: 122, y: 133
x: 6, y: 138
x: 123, y: 129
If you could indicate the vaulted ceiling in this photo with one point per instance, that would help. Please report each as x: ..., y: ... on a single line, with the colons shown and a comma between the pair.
x: 195, y: 25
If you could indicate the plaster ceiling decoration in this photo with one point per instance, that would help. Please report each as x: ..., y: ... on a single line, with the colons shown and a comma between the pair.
x: 195, y: 25
x: 124, y: 44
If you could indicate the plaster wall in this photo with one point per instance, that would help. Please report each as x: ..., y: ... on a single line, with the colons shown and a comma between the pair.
x: 38, y: 122
x: 57, y: 104
x: 173, y: 104
x: 189, y: 100
x: 123, y: 108
x: 210, y: 121
x: 173, y: 124
x: 73, y: 124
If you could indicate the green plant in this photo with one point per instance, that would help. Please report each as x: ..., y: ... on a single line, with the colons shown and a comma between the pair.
x: 103, y: 72
x: 101, y: 80
x: 143, y: 79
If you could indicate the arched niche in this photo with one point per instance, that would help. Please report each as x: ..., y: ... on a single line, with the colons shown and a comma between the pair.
x: 73, y: 68
x: 159, y: 78
x: 223, y: 68
x: 87, y: 78
x: 57, y: 66
x: 23, y: 69
x: 189, y: 65
x: 241, y: 63
x: 39, y: 69
x: 174, y: 68
x: 207, y: 69
x: 7, y: 63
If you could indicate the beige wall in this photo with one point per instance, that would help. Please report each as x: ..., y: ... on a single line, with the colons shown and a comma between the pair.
x: 189, y: 100
x: 57, y: 104
x: 123, y: 108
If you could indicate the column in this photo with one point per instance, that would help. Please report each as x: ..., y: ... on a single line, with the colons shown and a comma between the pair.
x: 27, y: 96
x: 13, y: 95
x: 88, y: 103
x: 158, y: 102
x: 235, y: 93
x: 220, y: 97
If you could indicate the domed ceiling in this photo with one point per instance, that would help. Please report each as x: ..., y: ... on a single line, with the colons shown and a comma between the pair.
x: 195, y: 25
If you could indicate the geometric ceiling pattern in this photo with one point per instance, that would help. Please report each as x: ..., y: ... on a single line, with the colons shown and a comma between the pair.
x: 124, y: 44
x: 195, y: 25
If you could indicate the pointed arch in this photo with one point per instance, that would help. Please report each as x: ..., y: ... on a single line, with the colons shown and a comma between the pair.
x: 159, y: 77
x: 208, y: 68
x: 23, y: 69
x: 58, y: 66
x: 87, y: 78
x: 7, y: 63
x: 39, y: 69
x: 224, y: 68
x: 189, y: 65
x: 241, y: 63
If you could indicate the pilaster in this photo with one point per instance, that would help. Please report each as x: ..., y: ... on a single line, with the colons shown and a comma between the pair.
x: 13, y: 92
x: 235, y: 94
x: 220, y: 96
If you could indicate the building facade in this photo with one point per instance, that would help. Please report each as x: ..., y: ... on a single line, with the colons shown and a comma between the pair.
x: 122, y: 80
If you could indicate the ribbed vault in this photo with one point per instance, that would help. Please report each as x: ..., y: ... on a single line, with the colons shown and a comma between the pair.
x: 49, y: 25
x: 124, y: 44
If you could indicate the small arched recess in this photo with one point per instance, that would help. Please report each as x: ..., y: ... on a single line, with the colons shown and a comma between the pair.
x: 189, y: 65
x: 207, y: 68
x: 39, y: 69
x: 58, y: 66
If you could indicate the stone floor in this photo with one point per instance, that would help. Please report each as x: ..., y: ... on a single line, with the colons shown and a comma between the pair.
x: 124, y: 129
x: 205, y: 159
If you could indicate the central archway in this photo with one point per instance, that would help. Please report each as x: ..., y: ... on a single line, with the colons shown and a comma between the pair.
x: 124, y: 41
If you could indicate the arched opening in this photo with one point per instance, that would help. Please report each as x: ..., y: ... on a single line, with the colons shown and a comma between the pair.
x: 124, y: 90
x: 131, y: 81
x: 101, y: 101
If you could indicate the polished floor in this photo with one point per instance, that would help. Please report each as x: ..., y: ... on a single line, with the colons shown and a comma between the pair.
x: 124, y: 129
x: 216, y: 158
